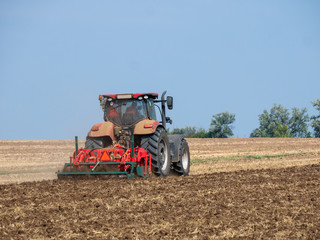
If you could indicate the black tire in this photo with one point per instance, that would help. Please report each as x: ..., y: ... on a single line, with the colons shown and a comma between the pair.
x: 157, y: 144
x: 94, y: 143
x: 182, y: 167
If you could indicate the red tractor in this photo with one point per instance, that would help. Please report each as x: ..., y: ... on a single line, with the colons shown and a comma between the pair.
x: 131, y: 139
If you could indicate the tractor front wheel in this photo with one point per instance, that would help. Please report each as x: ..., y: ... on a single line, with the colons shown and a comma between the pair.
x: 157, y: 145
x: 94, y: 143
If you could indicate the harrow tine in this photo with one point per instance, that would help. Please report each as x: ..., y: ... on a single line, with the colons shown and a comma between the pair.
x: 95, y: 166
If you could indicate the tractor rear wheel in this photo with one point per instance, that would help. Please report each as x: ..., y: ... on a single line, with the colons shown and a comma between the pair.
x: 157, y: 145
x: 183, y: 165
x: 94, y: 143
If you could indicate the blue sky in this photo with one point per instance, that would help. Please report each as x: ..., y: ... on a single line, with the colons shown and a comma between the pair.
x: 56, y: 57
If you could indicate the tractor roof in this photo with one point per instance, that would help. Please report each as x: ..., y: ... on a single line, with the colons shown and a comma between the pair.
x: 129, y: 95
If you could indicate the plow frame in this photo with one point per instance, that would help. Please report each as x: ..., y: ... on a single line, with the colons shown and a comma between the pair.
x: 92, y: 172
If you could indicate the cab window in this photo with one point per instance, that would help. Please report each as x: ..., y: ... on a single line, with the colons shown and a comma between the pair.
x: 151, y: 109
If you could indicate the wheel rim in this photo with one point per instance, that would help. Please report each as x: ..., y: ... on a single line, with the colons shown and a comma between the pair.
x: 185, y: 160
x: 163, y: 155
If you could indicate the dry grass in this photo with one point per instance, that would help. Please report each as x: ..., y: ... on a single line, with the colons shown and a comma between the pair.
x: 225, y: 155
x: 22, y: 161
x: 39, y: 160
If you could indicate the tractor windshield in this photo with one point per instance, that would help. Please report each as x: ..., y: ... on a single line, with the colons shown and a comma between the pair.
x: 125, y: 112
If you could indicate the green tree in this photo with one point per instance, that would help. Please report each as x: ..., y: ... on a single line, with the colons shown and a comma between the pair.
x: 282, y: 130
x: 316, y: 119
x: 190, y: 132
x: 221, y: 125
x: 271, y: 123
x: 187, y: 131
x: 258, y: 132
x: 201, y: 133
x: 299, y: 123
x: 278, y: 123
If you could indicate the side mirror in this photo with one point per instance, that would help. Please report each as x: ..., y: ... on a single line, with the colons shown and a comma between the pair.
x: 170, y: 102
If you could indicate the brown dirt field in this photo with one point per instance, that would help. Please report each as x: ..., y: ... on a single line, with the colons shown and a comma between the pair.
x: 273, y: 204
x: 238, y: 188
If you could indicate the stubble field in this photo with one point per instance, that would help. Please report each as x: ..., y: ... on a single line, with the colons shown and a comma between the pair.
x: 237, y: 188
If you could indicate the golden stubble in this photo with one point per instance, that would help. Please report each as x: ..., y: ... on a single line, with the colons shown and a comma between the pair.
x: 22, y: 161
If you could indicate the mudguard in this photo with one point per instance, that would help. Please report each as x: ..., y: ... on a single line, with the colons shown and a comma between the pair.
x: 174, y: 141
x: 102, y: 129
x: 146, y: 127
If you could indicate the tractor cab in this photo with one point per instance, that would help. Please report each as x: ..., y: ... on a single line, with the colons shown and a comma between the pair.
x: 128, y: 109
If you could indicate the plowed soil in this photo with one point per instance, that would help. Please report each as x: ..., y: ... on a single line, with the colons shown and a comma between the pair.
x: 238, y: 188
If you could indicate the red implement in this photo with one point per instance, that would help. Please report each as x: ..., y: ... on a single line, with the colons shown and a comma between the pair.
x: 117, y: 154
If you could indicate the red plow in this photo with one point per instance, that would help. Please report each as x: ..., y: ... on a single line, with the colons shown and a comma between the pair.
x: 128, y: 161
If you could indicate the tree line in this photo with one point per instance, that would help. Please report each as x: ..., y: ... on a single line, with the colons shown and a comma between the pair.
x: 278, y: 122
